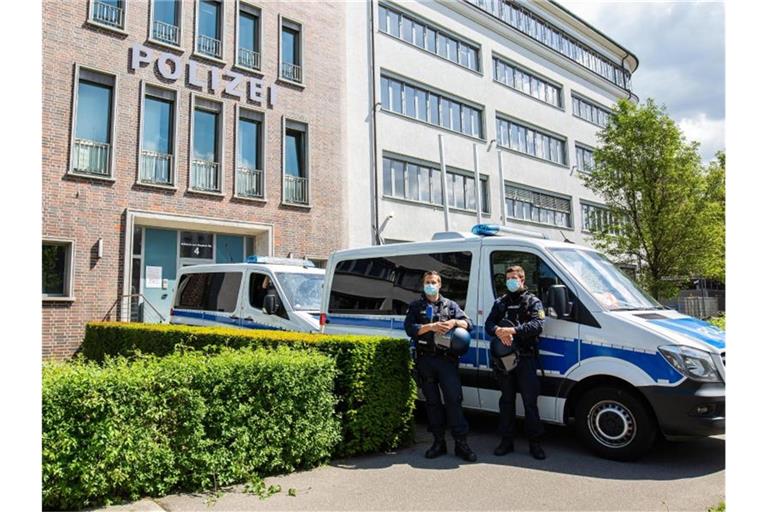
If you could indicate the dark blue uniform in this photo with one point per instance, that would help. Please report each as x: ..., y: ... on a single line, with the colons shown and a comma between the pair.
x: 436, y: 367
x: 526, y: 313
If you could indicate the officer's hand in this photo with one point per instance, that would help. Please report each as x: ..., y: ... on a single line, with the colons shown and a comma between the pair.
x: 444, y: 327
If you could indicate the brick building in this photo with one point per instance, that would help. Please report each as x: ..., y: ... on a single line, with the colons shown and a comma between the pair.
x: 177, y: 133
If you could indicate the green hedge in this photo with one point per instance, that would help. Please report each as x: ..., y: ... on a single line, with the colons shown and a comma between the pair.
x: 374, y: 386
x: 126, y: 429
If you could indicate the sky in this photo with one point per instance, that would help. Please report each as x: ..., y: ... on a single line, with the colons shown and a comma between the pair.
x: 681, y: 49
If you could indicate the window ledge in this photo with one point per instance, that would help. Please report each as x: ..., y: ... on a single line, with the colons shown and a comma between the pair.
x: 528, y: 96
x: 173, y: 47
x: 96, y: 24
x: 257, y: 71
x: 205, y: 193
x: 173, y: 188
x: 285, y: 81
x: 296, y: 205
x: 58, y: 299
x: 203, y: 56
x: 86, y: 176
x: 250, y: 199
x: 434, y: 206
x: 539, y: 224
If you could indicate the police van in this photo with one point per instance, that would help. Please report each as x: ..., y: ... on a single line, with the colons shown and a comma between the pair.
x: 262, y: 293
x: 614, y: 363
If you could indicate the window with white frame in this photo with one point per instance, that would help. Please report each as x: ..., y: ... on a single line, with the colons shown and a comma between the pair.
x: 93, y: 124
x: 248, y: 37
x: 406, y: 179
x: 249, y: 181
x: 291, y: 51
x: 295, y: 164
x: 166, y: 21
x: 110, y: 13
x: 428, y: 37
x: 598, y: 219
x: 58, y: 264
x: 205, y: 165
x: 530, y: 141
x: 534, y: 206
x: 591, y: 112
x: 526, y: 82
x: 585, y: 159
x: 209, y: 28
x: 157, y: 164
x: 430, y: 107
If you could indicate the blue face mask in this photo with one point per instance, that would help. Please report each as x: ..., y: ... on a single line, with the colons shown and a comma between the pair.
x: 513, y: 285
x: 431, y: 289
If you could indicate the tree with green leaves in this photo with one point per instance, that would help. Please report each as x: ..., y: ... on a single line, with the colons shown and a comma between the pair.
x: 666, y: 208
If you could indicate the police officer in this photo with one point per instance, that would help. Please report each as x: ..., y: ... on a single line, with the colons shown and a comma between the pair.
x: 525, y: 311
x: 430, y: 314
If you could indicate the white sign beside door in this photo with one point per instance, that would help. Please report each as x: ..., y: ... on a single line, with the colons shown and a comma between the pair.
x: 154, y: 276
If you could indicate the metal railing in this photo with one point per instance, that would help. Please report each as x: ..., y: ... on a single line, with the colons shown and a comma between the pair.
x: 165, y: 32
x: 133, y: 308
x: 107, y: 14
x: 290, y: 72
x: 249, y: 58
x: 156, y: 168
x: 296, y: 190
x: 209, y: 46
x: 205, y: 176
x: 90, y: 157
x: 250, y: 182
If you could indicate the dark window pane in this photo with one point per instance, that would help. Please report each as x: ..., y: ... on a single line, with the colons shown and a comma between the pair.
x: 196, y: 245
x: 209, y: 19
x: 386, y: 176
x: 294, y: 153
x: 192, y: 291
x: 206, y: 131
x: 157, y: 125
x: 54, y: 268
x: 137, y: 232
x: 223, y: 290
x: 290, y: 46
x: 249, y: 31
x: 249, y: 142
x: 398, y: 168
x: 94, y: 105
x: 166, y: 11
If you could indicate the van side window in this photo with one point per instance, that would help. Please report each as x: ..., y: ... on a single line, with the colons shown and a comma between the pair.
x: 209, y: 291
x: 386, y: 285
x: 258, y: 287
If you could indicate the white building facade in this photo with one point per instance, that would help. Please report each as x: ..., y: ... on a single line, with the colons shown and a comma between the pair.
x: 516, y: 90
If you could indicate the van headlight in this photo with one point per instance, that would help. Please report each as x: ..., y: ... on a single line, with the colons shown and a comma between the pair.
x: 693, y: 363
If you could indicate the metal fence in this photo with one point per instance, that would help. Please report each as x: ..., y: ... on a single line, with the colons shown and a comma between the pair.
x: 296, y: 190
x: 107, y: 14
x: 696, y: 306
x: 209, y: 46
x: 156, y: 168
x: 250, y: 182
x: 205, y: 176
x: 291, y: 72
x: 249, y: 58
x: 165, y: 32
x: 133, y: 308
x: 90, y: 157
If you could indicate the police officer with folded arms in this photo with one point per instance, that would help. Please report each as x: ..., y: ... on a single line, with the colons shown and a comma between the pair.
x: 437, y: 368
x: 517, y: 319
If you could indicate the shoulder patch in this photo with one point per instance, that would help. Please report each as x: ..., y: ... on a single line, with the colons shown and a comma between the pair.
x: 541, y: 314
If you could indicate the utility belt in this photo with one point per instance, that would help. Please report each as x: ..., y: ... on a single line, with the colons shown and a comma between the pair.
x: 426, y: 348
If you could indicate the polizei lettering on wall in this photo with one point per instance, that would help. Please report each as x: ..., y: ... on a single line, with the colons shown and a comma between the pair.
x: 215, y: 80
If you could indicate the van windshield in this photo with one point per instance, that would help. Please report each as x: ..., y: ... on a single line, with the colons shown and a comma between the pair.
x: 303, y: 291
x: 611, y: 287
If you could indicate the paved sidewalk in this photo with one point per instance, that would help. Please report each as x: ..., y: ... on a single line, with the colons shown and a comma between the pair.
x: 674, y: 476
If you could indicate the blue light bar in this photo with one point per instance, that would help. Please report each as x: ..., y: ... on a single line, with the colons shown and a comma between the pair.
x: 495, y: 229
x: 485, y: 229
x: 272, y: 260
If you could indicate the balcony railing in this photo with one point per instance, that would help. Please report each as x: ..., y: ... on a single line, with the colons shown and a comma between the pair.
x: 250, y: 182
x: 107, y: 14
x: 90, y: 157
x: 205, y: 176
x: 209, y: 46
x: 156, y: 168
x: 165, y: 32
x: 248, y: 58
x: 296, y: 190
x: 291, y: 72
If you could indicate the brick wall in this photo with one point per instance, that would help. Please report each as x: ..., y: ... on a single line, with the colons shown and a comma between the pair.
x: 85, y: 210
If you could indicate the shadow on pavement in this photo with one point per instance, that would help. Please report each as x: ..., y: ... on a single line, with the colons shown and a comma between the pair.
x: 565, y: 454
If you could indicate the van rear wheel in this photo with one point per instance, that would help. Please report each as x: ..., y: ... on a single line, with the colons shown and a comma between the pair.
x: 615, y: 424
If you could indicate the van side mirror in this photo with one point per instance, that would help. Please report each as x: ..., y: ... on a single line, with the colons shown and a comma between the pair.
x: 271, y: 304
x: 557, y: 300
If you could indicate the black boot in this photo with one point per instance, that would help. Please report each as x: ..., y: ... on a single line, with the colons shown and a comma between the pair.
x: 537, y: 451
x: 437, y: 449
x: 462, y: 449
x: 507, y: 445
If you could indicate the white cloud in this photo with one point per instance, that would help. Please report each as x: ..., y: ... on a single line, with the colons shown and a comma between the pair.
x: 710, y: 133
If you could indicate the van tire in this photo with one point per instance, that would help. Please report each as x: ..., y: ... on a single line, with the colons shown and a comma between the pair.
x: 615, y: 424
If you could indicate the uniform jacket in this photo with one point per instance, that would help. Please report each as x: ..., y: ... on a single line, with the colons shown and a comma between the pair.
x: 526, y: 313
x: 443, y: 309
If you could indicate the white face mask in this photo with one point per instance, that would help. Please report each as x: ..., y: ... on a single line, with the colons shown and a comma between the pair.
x: 513, y: 284
x: 431, y: 289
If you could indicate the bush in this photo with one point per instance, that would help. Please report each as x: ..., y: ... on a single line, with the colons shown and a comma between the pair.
x: 373, y: 384
x: 718, y: 321
x: 184, y: 422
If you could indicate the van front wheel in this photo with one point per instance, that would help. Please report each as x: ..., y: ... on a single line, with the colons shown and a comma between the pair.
x: 615, y: 424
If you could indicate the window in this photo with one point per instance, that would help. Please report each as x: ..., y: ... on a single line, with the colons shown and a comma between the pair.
x: 290, y: 51
x: 248, y: 45
x: 93, y: 130
x: 57, y: 269
x: 423, y: 35
x: 211, y: 291
x: 156, y: 161
x: 250, y: 165
x: 598, y: 219
x: 452, y: 115
x: 528, y: 205
x: 521, y: 80
x: 110, y: 13
x: 295, y: 178
x: 386, y: 285
x: 532, y: 142
x: 205, y: 175
x: 209, y: 28
x: 165, y: 21
x: 590, y: 112
x: 196, y: 245
x: 585, y: 160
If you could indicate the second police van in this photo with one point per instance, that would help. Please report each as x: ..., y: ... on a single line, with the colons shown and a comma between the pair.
x: 616, y: 364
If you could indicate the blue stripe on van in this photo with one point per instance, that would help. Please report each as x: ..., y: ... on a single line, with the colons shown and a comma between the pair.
x: 224, y: 320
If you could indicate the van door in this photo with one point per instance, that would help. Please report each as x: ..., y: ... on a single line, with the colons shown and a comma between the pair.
x: 258, y: 286
x: 558, y: 343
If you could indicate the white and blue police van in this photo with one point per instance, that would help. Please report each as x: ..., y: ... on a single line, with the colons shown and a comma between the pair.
x: 617, y: 365
x: 262, y: 293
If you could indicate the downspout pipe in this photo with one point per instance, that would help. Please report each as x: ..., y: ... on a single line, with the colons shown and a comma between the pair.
x: 374, y: 132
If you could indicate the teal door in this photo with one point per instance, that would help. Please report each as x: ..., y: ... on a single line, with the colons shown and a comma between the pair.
x: 159, y: 251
